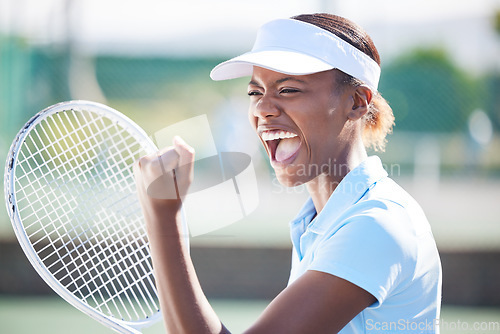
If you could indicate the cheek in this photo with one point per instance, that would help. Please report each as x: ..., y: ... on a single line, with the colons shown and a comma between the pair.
x: 334, y: 122
x: 325, y: 135
x: 251, y: 118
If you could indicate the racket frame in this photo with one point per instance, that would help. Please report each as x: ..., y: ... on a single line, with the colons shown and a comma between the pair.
x: 120, y: 326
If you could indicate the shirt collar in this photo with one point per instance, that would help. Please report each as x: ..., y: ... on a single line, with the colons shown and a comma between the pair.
x: 349, y: 191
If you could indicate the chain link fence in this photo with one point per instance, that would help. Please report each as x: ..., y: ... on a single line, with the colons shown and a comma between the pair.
x: 447, y: 120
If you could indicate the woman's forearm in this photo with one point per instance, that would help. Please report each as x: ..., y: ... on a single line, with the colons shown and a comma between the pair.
x: 184, y: 305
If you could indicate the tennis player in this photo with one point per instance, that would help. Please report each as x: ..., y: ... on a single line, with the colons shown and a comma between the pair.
x: 364, y: 258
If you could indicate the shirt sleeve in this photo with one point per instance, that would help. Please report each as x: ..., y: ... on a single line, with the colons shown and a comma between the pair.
x: 373, y: 250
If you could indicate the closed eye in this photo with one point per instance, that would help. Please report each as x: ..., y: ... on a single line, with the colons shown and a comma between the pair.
x: 289, y: 90
x: 254, y: 93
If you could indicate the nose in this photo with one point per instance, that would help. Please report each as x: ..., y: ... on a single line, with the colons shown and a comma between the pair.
x: 266, y: 107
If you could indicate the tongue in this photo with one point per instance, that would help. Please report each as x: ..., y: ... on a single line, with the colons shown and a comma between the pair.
x: 286, y: 148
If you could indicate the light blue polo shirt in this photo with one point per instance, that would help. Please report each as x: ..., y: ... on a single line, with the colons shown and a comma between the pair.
x: 374, y: 234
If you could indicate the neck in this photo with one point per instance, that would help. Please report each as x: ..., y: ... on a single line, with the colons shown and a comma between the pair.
x: 321, y: 187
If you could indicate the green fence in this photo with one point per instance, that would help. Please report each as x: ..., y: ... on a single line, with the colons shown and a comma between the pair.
x: 432, y: 98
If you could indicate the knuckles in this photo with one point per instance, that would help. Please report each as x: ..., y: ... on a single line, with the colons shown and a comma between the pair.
x: 157, y: 163
x: 150, y: 167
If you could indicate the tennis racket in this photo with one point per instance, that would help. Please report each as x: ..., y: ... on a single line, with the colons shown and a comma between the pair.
x: 71, y: 197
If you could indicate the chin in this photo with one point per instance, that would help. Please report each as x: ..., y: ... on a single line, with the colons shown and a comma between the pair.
x: 289, y: 179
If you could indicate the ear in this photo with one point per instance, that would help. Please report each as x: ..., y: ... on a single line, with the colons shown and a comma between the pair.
x: 362, y: 96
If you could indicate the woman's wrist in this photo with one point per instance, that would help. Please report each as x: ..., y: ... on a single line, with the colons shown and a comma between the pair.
x: 164, y: 217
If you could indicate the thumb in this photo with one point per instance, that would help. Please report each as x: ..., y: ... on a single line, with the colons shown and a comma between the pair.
x: 185, y: 168
x: 185, y: 152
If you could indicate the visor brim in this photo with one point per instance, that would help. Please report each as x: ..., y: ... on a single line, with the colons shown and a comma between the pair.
x: 282, y: 61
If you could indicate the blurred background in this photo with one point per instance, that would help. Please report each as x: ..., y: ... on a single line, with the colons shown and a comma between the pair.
x: 151, y: 60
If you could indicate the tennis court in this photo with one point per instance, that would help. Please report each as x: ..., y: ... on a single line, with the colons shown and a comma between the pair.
x: 53, y: 315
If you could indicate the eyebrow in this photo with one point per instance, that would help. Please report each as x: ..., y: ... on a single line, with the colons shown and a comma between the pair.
x: 255, y: 83
x: 289, y: 79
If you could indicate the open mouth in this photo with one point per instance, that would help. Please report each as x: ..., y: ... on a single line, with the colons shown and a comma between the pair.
x: 282, y: 145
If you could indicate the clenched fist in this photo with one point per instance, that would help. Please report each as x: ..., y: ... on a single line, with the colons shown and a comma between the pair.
x: 163, y: 179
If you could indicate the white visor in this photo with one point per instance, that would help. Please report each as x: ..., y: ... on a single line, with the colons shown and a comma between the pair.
x: 298, y: 48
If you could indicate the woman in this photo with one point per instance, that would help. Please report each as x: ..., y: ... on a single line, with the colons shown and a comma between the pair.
x: 364, y: 258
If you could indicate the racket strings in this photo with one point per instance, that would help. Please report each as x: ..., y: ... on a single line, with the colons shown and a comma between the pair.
x: 147, y: 270
x: 134, y: 269
x: 63, y: 184
x: 44, y: 198
x: 46, y: 258
x: 53, y: 155
x: 53, y: 241
x: 115, y: 261
x: 103, y: 265
x: 27, y: 173
x: 122, y: 264
x: 108, y: 175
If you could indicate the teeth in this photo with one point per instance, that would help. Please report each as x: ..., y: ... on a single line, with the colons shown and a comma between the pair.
x: 273, y: 135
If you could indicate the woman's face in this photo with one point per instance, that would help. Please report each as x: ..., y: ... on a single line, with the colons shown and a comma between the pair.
x: 302, y: 122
